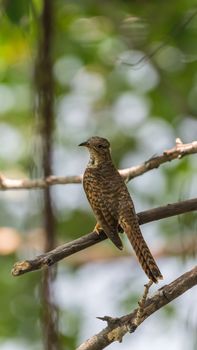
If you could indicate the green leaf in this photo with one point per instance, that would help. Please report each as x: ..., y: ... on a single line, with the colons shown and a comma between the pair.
x: 16, y: 10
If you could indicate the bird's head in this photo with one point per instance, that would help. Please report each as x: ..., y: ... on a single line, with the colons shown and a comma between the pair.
x: 98, y: 147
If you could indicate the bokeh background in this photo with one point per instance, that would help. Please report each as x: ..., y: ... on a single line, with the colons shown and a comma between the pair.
x: 122, y: 70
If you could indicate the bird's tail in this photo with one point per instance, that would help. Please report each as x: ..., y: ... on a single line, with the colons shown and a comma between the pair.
x: 141, y: 249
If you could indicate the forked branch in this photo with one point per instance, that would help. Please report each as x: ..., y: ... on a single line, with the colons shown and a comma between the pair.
x: 118, y: 327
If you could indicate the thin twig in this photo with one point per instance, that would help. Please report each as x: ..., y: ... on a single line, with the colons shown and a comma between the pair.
x: 142, y: 303
x: 172, y: 34
x: 118, y: 327
x: 176, y: 152
x: 88, y: 240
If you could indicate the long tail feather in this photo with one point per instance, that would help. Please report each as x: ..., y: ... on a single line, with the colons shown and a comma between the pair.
x: 141, y: 249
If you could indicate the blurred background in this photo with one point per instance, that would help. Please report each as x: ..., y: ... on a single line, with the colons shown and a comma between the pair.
x: 121, y: 70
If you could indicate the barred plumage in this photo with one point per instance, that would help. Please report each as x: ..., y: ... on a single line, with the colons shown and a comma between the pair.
x: 112, y: 204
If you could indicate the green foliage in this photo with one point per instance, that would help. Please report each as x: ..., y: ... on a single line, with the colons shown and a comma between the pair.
x: 20, y: 306
x: 16, y: 10
x: 141, y: 108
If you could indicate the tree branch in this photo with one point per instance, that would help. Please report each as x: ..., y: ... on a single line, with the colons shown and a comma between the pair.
x: 176, y: 152
x: 179, y: 247
x: 179, y: 151
x: 118, y: 327
x: 88, y: 240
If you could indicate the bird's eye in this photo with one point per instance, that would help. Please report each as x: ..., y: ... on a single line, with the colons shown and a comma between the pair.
x: 100, y: 146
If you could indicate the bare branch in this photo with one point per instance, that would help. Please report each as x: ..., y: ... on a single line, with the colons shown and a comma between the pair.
x: 118, y: 327
x: 179, y: 247
x: 19, y: 184
x: 176, y: 152
x: 88, y: 240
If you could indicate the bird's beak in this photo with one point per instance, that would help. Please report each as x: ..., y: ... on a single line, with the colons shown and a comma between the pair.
x: 83, y: 144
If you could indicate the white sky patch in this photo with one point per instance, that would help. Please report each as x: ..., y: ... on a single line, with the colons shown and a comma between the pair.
x: 16, y: 344
x: 70, y: 162
x: 16, y: 97
x: 65, y: 68
x: 150, y: 184
x: 142, y: 77
x: 7, y: 98
x: 68, y: 197
x: 22, y: 97
x: 155, y: 136
x: 132, y: 159
x: 89, y: 84
x: 74, y: 110
x: 11, y: 143
x: 73, y: 113
x: 188, y: 129
x: 130, y: 110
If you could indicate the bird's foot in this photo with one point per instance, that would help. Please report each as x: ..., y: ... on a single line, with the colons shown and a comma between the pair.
x: 142, y: 303
x: 97, y: 228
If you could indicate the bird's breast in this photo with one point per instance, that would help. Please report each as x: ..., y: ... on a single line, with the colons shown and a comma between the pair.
x: 108, y: 181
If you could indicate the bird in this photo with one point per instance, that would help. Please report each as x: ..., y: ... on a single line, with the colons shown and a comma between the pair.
x: 112, y: 205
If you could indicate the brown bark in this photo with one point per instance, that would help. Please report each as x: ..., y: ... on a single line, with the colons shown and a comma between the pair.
x: 45, y: 95
x: 88, y: 240
x: 118, y: 327
x: 176, y: 152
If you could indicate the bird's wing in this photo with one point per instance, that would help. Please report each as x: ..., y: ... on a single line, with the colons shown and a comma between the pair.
x: 103, y: 207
